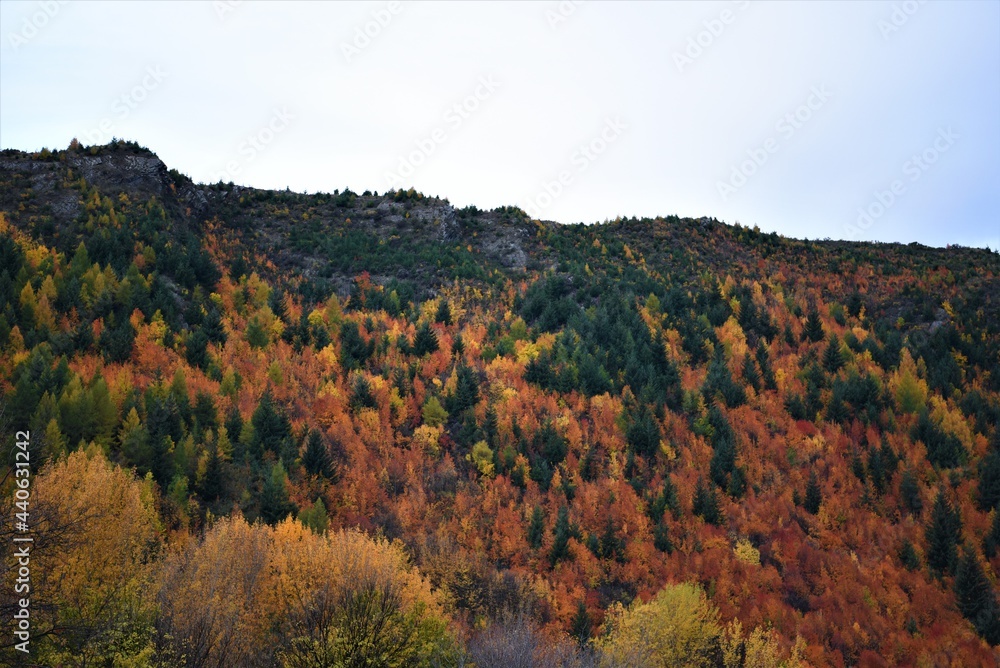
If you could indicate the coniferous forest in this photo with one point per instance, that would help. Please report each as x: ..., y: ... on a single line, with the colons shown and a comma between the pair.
x: 373, y: 429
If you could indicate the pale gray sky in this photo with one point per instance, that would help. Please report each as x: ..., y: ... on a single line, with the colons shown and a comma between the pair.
x: 795, y: 116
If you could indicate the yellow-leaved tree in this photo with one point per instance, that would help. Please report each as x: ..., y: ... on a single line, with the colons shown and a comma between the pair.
x: 258, y: 595
x: 679, y: 627
x: 908, y: 388
x: 93, y: 563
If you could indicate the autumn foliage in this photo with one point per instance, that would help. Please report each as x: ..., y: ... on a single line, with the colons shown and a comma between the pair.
x: 266, y: 436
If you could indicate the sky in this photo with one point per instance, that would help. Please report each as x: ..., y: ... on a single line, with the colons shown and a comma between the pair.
x: 842, y: 120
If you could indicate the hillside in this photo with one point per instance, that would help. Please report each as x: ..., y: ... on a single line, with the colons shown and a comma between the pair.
x: 535, y: 427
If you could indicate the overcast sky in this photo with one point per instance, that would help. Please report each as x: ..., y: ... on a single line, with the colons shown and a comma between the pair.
x: 846, y: 120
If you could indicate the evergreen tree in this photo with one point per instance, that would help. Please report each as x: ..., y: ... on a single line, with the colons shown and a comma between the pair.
x: 833, y: 359
x: 491, y: 426
x: 666, y: 499
x: 354, y: 350
x: 705, y: 503
x: 271, y: 427
x: 943, y: 449
x: 975, y: 597
x: 561, y: 533
x: 581, y: 626
x: 466, y: 393
x: 644, y: 434
x: 720, y: 381
x: 991, y: 542
x: 942, y: 534
x: 989, y: 480
x: 204, y: 412
x: 425, y: 341
x: 274, y: 503
x: 813, y: 497
x: 909, y: 492
x: 256, y: 335
x: 317, y: 460
x: 210, y: 487
x: 443, y: 314
x: 196, y: 349
x: 661, y: 538
x: 813, y: 330
x: 908, y: 555
x: 764, y: 362
x: 234, y: 425
x: 361, y: 394
x: 536, y: 528
x: 611, y: 546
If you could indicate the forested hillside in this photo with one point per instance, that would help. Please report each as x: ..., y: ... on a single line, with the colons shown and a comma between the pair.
x: 347, y: 429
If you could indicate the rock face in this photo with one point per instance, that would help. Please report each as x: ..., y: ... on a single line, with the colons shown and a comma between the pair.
x: 503, y: 238
x: 142, y: 175
x: 124, y: 172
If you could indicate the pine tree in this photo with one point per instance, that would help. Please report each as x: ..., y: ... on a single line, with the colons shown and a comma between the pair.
x: 274, y: 503
x: 425, y: 341
x: 705, y: 503
x: 764, y: 362
x: 581, y: 626
x: 536, y: 528
x: 723, y: 462
x: 256, y: 335
x: 204, y: 412
x: 354, y: 350
x: 813, y: 330
x: 833, y: 359
x: 491, y: 426
x: 317, y: 460
x: 991, y: 542
x: 443, y: 314
x: 666, y: 499
x: 942, y: 534
x: 644, y: 434
x: 466, y: 393
x: 210, y: 488
x: 909, y: 492
x: 561, y: 533
x: 234, y: 425
x: 813, y: 497
x: 720, y: 381
x: 661, y: 538
x: 611, y: 546
x: 908, y: 556
x: 975, y: 597
x: 271, y: 427
x: 361, y: 394
x: 989, y: 480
